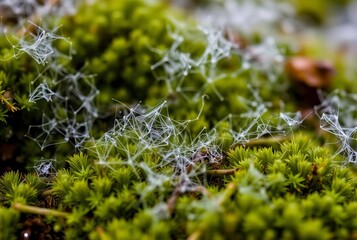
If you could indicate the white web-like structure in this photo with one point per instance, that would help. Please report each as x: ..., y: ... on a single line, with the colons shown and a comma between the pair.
x: 212, y: 47
x: 73, y: 111
x: 150, y: 140
x: 69, y: 96
x: 39, y: 45
x: 45, y: 167
x: 259, y: 120
x: 330, y: 112
x: 176, y: 65
x: 42, y: 91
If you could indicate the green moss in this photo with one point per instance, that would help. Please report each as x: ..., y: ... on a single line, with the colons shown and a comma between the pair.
x: 215, y: 160
x: 9, y: 222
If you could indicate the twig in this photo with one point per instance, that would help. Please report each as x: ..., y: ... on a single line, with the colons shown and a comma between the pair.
x: 222, y: 171
x: 171, y: 203
x: 37, y: 210
x: 264, y: 141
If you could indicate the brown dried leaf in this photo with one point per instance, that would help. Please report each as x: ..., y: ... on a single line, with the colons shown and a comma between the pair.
x: 307, y: 76
x: 312, y: 73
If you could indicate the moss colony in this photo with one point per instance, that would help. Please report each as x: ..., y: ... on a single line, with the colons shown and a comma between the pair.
x: 138, y: 120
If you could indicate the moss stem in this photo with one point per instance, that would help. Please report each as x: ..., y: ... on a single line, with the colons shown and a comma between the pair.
x: 47, y: 192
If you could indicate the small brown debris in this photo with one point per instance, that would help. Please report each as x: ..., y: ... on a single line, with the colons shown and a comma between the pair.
x: 236, y: 38
x: 307, y: 76
x: 313, y: 73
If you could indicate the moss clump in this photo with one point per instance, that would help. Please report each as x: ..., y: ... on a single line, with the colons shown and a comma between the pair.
x: 292, y: 191
x: 227, y: 152
x: 120, y: 37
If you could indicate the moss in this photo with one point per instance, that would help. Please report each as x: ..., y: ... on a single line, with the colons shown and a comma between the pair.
x: 224, y: 153
x: 9, y: 219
